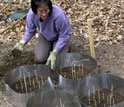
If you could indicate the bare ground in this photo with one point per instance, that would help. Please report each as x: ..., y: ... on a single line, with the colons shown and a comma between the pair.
x: 110, y: 59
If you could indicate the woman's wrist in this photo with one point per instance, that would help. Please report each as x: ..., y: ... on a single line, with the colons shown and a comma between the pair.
x: 23, y: 42
x: 55, y: 51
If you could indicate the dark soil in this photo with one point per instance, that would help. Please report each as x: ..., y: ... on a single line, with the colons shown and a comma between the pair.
x: 8, y: 62
x: 103, y: 98
x: 28, y: 85
x: 75, y: 72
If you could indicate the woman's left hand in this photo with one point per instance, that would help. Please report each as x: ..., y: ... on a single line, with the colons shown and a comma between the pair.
x: 51, y: 60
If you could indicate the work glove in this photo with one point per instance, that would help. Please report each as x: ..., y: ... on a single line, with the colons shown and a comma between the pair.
x: 17, y: 50
x: 51, y: 60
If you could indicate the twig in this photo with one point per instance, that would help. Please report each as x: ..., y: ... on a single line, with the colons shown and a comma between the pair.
x: 36, y: 76
x: 99, y: 96
x: 95, y: 103
x: 97, y: 44
x: 77, y: 73
x: 75, y: 76
x: 94, y: 93
x: 82, y: 70
x: 110, y: 100
x: 72, y: 72
x: 33, y: 83
x: 21, y: 85
x: 112, y: 90
x: 29, y: 80
x: 4, y: 7
x: 89, y: 95
x: 42, y: 80
x: 16, y: 87
x: 25, y: 83
x: 61, y: 103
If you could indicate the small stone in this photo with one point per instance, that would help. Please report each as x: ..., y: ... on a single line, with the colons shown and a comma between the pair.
x: 4, y: 99
x: 119, y: 37
x: 29, y: 43
x: 115, y: 41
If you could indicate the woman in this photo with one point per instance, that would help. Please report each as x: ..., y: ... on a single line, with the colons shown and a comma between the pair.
x: 54, y: 31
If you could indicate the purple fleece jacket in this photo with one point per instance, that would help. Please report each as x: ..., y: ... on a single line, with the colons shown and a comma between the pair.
x: 55, y: 27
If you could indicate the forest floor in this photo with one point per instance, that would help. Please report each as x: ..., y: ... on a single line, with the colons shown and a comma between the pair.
x: 108, y: 30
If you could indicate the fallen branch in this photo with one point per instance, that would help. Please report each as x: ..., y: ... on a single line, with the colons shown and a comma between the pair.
x: 4, y: 29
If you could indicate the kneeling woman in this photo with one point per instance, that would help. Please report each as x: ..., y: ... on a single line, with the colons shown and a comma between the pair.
x: 54, y: 31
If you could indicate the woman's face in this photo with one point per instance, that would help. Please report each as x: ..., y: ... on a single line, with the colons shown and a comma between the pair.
x: 43, y: 11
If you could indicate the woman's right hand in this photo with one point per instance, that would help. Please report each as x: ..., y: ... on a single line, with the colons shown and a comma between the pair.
x: 17, y: 50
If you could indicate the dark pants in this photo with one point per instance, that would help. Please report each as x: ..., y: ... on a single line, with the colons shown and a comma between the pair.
x: 43, y: 48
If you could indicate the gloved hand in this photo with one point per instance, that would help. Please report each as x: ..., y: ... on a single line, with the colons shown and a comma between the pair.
x: 19, y: 46
x: 51, y: 60
x: 17, y: 50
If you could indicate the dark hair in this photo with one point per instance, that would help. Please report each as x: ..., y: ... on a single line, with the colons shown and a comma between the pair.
x: 36, y: 3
